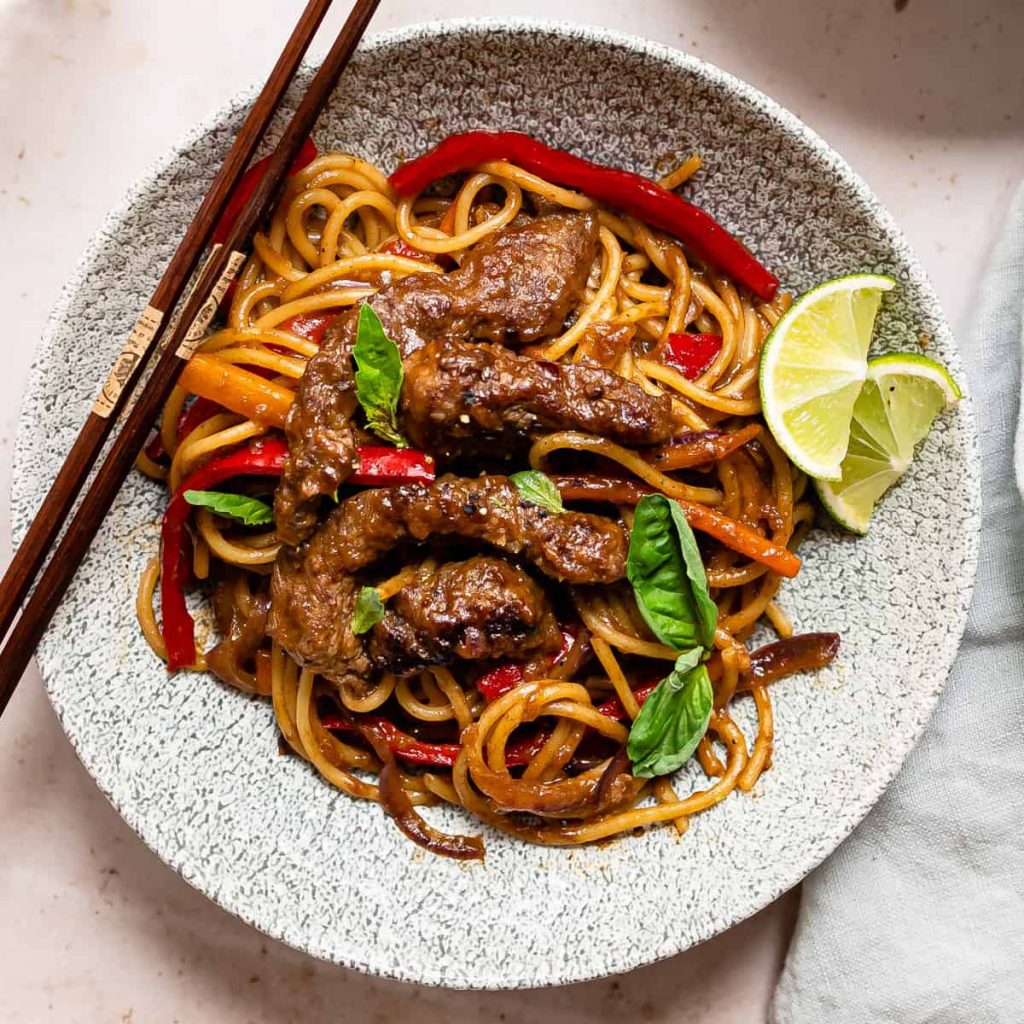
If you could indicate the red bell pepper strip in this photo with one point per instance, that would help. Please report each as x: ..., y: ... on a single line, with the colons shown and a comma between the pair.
x: 691, y: 354
x: 155, y: 447
x: 624, y: 190
x: 438, y: 755
x: 310, y: 326
x: 501, y: 679
x: 197, y: 414
x: 612, y: 708
x: 384, y: 467
x: 247, y: 185
x: 261, y: 458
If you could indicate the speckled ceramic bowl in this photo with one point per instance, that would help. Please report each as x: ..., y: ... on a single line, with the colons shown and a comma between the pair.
x: 192, y: 766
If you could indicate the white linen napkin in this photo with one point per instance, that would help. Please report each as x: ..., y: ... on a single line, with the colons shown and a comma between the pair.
x: 919, y: 916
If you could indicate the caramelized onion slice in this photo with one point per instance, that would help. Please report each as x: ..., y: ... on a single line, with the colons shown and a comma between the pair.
x: 396, y: 802
x: 786, y: 657
x: 699, y: 447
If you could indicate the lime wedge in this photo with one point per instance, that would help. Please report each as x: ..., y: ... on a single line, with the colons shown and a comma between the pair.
x: 813, y: 366
x: 899, y: 402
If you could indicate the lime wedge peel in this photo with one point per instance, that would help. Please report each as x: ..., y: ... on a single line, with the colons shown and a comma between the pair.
x: 902, y: 395
x: 813, y: 366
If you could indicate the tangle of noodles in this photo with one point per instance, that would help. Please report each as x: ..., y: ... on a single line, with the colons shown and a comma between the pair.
x: 333, y: 240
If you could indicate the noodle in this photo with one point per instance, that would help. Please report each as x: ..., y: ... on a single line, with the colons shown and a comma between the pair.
x: 548, y: 746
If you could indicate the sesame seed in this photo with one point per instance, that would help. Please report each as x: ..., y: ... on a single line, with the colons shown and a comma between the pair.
x: 483, y: 510
x: 464, y: 418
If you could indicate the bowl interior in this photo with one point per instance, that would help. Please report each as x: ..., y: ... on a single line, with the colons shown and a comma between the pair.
x: 193, y: 767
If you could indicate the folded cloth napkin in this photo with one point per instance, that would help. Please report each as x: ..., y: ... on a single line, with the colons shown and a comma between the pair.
x: 919, y: 915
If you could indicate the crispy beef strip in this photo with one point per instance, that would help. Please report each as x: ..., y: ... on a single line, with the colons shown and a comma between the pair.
x: 478, y: 609
x: 519, y: 286
x: 313, y: 589
x: 460, y: 398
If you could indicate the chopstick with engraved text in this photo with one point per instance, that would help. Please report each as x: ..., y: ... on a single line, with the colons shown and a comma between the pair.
x: 219, y: 269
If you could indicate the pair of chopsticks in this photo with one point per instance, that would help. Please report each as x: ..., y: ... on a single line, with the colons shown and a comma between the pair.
x: 29, y: 565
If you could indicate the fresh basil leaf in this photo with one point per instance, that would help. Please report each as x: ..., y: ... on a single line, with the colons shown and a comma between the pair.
x: 538, y: 489
x: 378, y: 376
x: 665, y: 568
x: 369, y: 610
x: 673, y: 719
x: 250, y: 511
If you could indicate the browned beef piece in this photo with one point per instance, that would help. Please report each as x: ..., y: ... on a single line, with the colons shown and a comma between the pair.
x: 570, y: 546
x: 311, y: 607
x: 313, y: 589
x: 518, y: 285
x: 464, y: 399
x: 478, y: 609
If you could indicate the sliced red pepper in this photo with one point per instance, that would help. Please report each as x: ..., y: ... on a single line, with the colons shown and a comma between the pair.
x: 261, y: 458
x: 624, y: 190
x: 247, y: 185
x: 155, y: 447
x: 612, y: 708
x: 310, y: 326
x: 197, y: 414
x: 691, y: 354
x: 590, y: 486
x: 443, y: 755
x: 383, y: 467
x: 502, y: 678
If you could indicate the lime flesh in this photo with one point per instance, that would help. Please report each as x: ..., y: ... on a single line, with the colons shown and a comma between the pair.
x: 894, y: 412
x: 813, y: 367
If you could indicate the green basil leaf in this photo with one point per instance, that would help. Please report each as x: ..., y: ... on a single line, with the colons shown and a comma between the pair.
x: 665, y: 568
x: 378, y: 376
x: 673, y: 719
x: 250, y: 511
x: 369, y: 610
x: 538, y: 489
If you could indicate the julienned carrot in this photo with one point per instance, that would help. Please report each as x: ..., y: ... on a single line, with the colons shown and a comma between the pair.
x: 741, y: 538
x: 237, y: 389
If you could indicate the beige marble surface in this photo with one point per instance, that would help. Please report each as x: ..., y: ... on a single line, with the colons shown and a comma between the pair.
x: 924, y: 97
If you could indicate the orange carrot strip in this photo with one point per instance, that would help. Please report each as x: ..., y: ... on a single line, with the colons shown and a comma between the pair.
x: 741, y: 538
x: 237, y: 389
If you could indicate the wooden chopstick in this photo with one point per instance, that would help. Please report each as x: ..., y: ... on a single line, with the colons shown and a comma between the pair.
x: 148, y: 333
x: 216, y: 274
